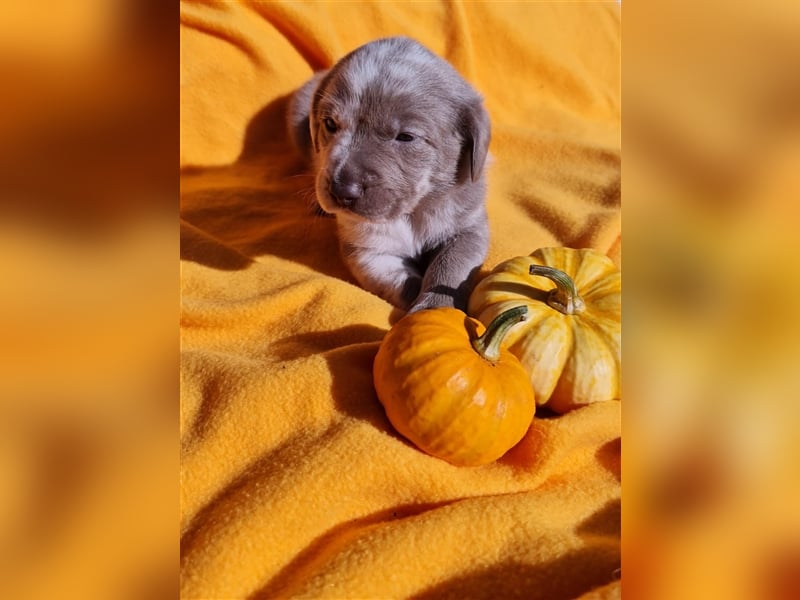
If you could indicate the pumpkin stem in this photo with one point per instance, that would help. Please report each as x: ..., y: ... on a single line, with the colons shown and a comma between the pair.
x: 488, y: 345
x: 564, y: 298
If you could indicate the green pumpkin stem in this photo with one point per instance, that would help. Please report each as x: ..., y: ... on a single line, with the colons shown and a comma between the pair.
x: 564, y: 298
x: 488, y: 345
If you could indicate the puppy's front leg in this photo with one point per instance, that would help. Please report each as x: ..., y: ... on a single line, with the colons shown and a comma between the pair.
x: 448, y: 278
x: 393, y: 278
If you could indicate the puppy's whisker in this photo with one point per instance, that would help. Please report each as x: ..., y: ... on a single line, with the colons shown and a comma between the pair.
x: 309, y: 200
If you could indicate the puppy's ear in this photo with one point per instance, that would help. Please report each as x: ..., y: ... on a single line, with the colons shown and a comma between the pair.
x: 323, y: 79
x: 301, y: 112
x: 476, y: 131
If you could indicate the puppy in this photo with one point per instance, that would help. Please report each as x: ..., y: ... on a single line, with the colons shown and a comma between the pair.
x: 398, y: 142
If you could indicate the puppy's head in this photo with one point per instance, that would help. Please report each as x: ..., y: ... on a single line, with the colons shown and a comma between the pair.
x: 392, y: 123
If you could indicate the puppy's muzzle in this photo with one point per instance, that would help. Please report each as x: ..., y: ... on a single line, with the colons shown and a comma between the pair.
x: 345, y: 190
x: 346, y: 193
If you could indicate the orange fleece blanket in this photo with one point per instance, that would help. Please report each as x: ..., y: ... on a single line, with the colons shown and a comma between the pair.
x: 293, y: 482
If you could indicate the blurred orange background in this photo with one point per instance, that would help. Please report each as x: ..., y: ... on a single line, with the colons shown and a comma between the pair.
x: 89, y: 300
x: 711, y: 182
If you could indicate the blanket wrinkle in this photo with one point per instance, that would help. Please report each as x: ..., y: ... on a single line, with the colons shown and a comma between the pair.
x: 322, y: 342
x: 460, y: 52
x: 570, y: 582
x: 228, y: 23
x: 605, y: 522
x: 197, y: 244
x: 332, y: 541
x: 298, y: 32
x: 293, y: 481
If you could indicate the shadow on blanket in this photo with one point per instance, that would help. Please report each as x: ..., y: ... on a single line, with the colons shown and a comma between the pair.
x: 504, y: 578
x: 262, y: 204
x: 349, y: 352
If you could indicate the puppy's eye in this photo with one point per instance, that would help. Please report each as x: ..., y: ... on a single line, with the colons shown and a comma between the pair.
x: 330, y: 125
x: 405, y: 137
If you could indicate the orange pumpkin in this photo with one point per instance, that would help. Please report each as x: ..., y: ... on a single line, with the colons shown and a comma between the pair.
x: 448, y: 386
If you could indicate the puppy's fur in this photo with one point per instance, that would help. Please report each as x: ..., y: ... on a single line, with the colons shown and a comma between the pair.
x: 398, y: 141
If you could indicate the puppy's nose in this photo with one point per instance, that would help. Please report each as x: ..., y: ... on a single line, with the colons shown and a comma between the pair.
x: 345, y: 191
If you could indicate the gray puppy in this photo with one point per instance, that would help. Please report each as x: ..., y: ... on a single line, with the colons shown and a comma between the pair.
x: 398, y: 141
